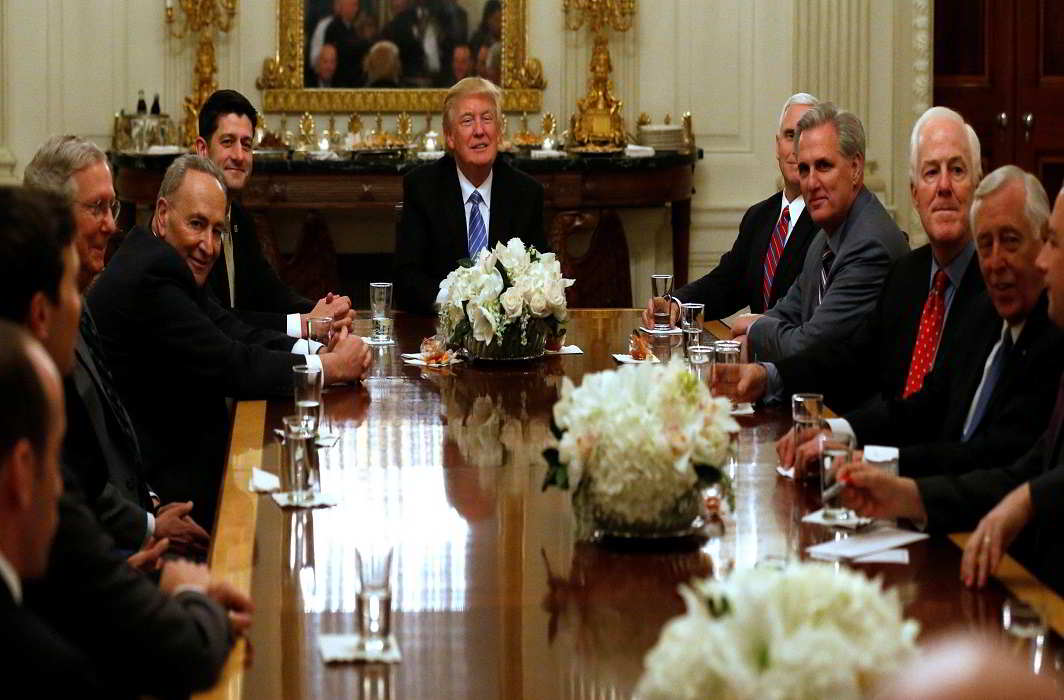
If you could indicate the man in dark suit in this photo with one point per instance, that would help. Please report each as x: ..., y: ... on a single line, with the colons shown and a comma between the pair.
x: 242, y: 279
x: 1027, y: 492
x: 129, y: 628
x: 100, y: 446
x: 33, y: 657
x: 897, y: 344
x: 350, y: 47
x: 774, y: 235
x: 422, y: 35
x: 465, y: 202
x: 156, y: 320
x: 847, y: 261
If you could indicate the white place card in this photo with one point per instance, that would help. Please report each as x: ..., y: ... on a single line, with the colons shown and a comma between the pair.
x: 865, y: 543
x: 887, y: 556
x: 345, y: 648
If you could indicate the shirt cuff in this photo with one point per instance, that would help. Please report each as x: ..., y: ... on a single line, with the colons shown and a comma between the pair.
x: 151, y: 527
x: 314, y: 362
x: 295, y: 326
x: 306, y: 347
x: 773, y: 383
x: 189, y: 588
x: 841, y: 426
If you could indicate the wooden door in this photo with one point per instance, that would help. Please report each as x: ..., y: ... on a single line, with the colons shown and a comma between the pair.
x: 1000, y: 63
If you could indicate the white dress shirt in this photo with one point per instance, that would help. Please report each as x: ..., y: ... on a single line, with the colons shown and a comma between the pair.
x: 485, y: 193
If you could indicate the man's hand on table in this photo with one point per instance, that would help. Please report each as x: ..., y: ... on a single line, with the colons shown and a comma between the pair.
x: 348, y: 360
x: 741, y: 324
x: 238, y: 605
x: 648, y: 312
x: 149, y: 558
x: 744, y: 383
x: 173, y: 522
x: 876, y: 493
x: 334, y: 306
x: 994, y: 534
x: 182, y: 574
x: 800, y: 452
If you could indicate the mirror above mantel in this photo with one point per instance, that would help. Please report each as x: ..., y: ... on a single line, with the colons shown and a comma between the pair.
x: 405, y: 23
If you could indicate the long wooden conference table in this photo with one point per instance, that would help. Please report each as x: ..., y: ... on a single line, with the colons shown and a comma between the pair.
x: 493, y: 597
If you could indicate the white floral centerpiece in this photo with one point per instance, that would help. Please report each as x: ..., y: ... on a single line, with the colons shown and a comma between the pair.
x: 638, y: 444
x: 807, y: 631
x: 504, y: 303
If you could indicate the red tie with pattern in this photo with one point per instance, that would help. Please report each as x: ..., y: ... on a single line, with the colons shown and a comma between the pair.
x: 929, y: 334
x: 774, y: 253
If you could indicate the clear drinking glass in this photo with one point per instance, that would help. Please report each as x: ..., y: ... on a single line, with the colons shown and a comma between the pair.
x: 701, y: 359
x: 299, y: 461
x: 380, y: 302
x: 692, y: 323
x: 835, y: 450
x: 1023, y: 620
x: 806, y: 410
x: 307, y: 381
x: 661, y: 297
x: 319, y: 329
x: 727, y: 352
x: 374, y: 603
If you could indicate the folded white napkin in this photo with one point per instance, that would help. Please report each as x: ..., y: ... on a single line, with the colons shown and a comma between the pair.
x: 887, y: 556
x: 263, y: 482
x: 861, y: 544
x: 743, y: 409
x: 566, y: 350
x: 337, y: 648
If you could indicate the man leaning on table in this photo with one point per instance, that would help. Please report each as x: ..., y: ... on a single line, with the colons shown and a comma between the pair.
x: 464, y: 202
x: 923, y: 299
x: 242, y: 280
x: 1015, y: 506
x: 176, y: 354
x: 848, y: 259
x: 774, y: 235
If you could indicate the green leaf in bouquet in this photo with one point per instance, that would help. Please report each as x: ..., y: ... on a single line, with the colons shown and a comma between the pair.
x: 506, y: 283
x: 466, y: 262
x: 555, y: 430
x: 557, y: 473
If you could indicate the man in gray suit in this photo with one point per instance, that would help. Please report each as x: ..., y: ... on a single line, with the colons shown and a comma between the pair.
x: 849, y: 258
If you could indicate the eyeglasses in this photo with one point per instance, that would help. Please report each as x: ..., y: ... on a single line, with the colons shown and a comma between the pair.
x: 100, y: 208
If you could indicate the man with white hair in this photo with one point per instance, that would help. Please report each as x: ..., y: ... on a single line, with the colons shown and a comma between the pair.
x: 1014, y: 505
x: 774, y: 235
x: 465, y: 202
x: 848, y: 259
x: 923, y: 296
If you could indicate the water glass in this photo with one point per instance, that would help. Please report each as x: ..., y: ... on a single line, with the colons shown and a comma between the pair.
x: 1023, y: 620
x: 661, y: 301
x: 727, y: 352
x: 374, y: 604
x: 701, y: 359
x: 806, y: 410
x: 380, y: 302
x: 308, y: 381
x: 691, y: 323
x: 319, y: 329
x: 299, y: 461
x: 835, y: 450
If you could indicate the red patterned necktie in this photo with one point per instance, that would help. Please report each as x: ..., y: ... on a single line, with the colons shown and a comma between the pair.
x: 774, y: 253
x: 929, y: 334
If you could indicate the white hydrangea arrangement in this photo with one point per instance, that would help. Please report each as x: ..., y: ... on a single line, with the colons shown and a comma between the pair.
x: 807, y: 631
x: 504, y: 302
x: 637, y: 443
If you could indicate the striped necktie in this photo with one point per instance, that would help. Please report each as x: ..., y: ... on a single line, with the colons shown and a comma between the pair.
x: 986, y: 387
x: 826, y: 260
x: 478, y: 236
x: 774, y: 253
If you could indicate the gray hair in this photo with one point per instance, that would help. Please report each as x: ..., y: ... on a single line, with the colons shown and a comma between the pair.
x: 1035, y: 201
x: 975, y: 155
x: 798, y: 98
x: 175, y: 174
x: 847, y: 126
x: 466, y: 87
x: 55, y: 162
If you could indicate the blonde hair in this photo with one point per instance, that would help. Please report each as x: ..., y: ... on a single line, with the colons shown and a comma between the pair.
x: 465, y: 88
x: 382, y: 62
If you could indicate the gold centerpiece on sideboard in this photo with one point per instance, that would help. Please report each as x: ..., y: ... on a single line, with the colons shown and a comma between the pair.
x: 598, y: 124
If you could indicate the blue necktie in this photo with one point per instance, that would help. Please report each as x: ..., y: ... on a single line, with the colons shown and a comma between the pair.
x: 986, y: 389
x: 478, y: 236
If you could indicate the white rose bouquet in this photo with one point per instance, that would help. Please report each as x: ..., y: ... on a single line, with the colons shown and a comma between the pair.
x: 808, y: 631
x: 504, y: 303
x: 638, y: 443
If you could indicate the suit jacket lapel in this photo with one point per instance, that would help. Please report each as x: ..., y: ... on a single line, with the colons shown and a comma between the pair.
x: 454, y: 209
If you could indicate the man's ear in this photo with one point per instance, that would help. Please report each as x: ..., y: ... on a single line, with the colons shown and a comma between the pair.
x: 39, y: 316
x: 19, y: 474
x: 201, y: 146
x: 858, y: 169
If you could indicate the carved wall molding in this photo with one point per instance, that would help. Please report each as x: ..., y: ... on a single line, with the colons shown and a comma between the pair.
x: 921, y: 38
x: 832, y: 60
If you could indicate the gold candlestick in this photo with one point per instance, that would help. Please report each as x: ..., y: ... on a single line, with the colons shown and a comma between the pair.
x: 202, y: 18
x: 598, y: 124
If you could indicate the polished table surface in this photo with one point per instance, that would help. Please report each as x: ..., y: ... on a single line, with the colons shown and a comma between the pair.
x: 493, y: 597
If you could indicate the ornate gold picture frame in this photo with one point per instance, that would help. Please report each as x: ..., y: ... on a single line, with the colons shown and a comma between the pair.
x: 283, y: 90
